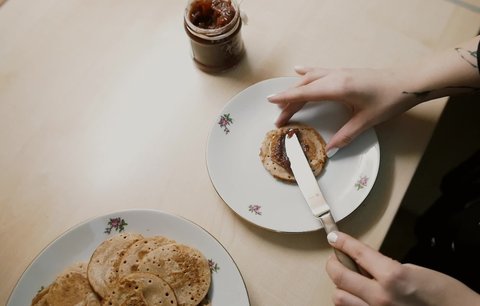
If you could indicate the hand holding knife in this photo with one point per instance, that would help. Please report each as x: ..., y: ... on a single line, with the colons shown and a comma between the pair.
x: 312, y: 193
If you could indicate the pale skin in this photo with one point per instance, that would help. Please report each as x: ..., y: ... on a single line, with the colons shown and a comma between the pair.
x: 388, y: 282
x: 374, y: 96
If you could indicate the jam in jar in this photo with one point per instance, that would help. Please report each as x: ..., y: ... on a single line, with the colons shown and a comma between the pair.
x: 214, y: 30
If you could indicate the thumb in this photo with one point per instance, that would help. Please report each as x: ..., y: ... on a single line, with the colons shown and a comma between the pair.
x: 347, y: 133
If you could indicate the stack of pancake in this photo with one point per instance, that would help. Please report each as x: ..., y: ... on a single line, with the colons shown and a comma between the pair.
x: 129, y: 269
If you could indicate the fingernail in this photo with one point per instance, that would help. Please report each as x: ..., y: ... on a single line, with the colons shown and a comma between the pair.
x: 331, y: 152
x: 298, y: 67
x: 271, y: 96
x: 332, y: 237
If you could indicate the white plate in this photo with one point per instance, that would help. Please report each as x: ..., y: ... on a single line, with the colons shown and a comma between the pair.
x: 240, y: 179
x: 78, y: 244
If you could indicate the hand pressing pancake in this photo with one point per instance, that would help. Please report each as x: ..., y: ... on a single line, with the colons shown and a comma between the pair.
x: 274, y: 157
x: 129, y: 269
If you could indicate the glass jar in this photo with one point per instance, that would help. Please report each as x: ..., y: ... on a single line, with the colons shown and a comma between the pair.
x: 214, y: 30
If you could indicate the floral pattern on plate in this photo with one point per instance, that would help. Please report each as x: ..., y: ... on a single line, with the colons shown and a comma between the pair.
x: 214, y: 267
x: 362, y: 182
x: 255, y: 209
x: 225, y: 121
x: 118, y: 224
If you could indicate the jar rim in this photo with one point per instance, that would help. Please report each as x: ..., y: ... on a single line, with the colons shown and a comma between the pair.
x: 211, y: 33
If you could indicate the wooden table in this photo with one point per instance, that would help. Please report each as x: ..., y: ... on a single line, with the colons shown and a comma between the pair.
x: 88, y: 87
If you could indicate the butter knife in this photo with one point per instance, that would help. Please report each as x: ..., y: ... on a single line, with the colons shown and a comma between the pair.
x: 312, y: 193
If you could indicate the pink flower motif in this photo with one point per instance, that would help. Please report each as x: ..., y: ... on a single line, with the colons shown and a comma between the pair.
x: 117, y: 224
x: 255, y: 209
x: 361, y: 182
x: 213, y: 266
x: 224, y: 122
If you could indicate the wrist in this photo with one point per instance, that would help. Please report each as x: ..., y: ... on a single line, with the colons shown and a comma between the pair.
x: 415, y: 83
x: 404, y: 89
x: 443, y: 74
x: 438, y: 289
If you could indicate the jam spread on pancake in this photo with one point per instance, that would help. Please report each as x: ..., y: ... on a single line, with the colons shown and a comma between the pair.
x: 279, y: 153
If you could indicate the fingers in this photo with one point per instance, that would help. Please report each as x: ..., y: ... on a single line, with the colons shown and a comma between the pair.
x: 302, y: 69
x: 349, y: 131
x: 309, y: 74
x: 300, y: 92
x: 376, y: 264
x: 343, y: 298
x: 288, y: 111
x: 317, y: 72
x: 358, y: 287
x: 292, y: 95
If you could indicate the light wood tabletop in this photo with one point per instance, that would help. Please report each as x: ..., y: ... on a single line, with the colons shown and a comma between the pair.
x: 90, y: 89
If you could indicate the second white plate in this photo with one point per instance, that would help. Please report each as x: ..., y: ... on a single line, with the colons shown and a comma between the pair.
x: 240, y: 179
x: 78, y: 244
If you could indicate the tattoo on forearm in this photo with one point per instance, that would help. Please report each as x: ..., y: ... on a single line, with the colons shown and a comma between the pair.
x: 426, y: 93
x: 468, y: 56
x: 418, y: 94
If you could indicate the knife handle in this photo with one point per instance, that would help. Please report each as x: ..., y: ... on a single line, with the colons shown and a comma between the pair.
x: 330, y: 226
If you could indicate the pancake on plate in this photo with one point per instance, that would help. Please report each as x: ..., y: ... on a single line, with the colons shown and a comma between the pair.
x: 141, y: 289
x: 103, y: 265
x: 135, y: 253
x: 130, y: 269
x: 71, y: 287
x: 274, y: 157
x: 41, y: 298
x: 184, y: 268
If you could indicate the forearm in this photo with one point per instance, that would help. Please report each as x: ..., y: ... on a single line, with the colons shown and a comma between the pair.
x: 376, y: 95
x: 453, y: 71
x: 443, y: 290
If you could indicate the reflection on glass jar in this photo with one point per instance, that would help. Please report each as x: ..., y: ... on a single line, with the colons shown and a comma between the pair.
x: 214, y: 30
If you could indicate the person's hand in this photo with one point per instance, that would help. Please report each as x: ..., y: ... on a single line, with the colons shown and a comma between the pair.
x: 388, y: 282
x: 372, y: 96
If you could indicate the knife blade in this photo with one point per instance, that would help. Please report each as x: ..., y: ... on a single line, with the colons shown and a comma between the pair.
x: 311, y: 192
